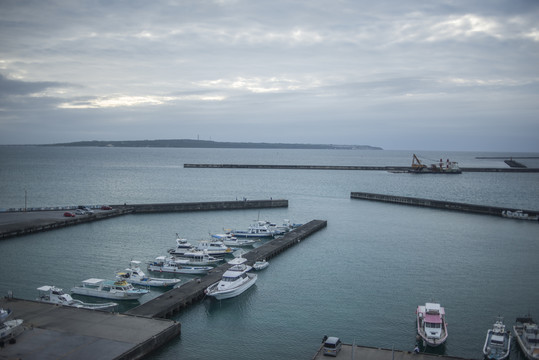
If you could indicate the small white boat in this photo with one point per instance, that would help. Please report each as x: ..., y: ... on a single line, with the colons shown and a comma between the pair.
x: 498, y: 342
x: 259, y: 229
x: 213, y: 248
x: 182, y: 245
x: 10, y: 328
x: 230, y: 240
x: 169, y: 265
x: 431, y: 325
x: 520, y: 215
x: 107, y: 289
x: 234, y: 281
x: 527, y: 335
x: 135, y: 275
x: 55, y: 295
x: 260, y: 265
x: 197, y: 258
x: 5, y: 314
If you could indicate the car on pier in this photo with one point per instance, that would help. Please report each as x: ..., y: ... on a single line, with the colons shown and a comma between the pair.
x: 69, y: 214
x: 332, y: 346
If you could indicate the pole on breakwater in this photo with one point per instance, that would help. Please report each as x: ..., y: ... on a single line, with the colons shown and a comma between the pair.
x: 439, y: 204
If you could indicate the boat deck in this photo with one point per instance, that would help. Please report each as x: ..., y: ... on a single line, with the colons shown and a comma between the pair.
x: 62, y: 332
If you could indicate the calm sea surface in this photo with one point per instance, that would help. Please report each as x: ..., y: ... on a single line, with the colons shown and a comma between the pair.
x: 361, y: 278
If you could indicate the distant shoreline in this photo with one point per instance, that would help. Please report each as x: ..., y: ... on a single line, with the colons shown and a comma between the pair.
x: 187, y: 143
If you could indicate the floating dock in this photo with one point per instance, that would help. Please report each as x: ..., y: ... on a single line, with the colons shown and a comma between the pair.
x: 171, y: 302
x: 63, y: 332
x: 439, y: 204
x: 356, y: 352
x: 18, y: 222
x: 347, y: 167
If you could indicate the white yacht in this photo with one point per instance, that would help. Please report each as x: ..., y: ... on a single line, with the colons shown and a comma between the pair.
x: 55, y: 295
x: 234, y: 281
x: 170, y: 265
x: 431, y: 325
x: 498, y: 342
x: 259, y: 229
x: 527, y: 334
x: 197, y: 258
x: 4, y: 314
x: 230, y: 240
x: 10, y: 328
x: 135, y: 275
x: 107, y: 289
x: 213, y: 247
x: 182, y: 245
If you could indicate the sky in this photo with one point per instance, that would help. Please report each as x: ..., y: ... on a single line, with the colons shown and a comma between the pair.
x: 455, y: 75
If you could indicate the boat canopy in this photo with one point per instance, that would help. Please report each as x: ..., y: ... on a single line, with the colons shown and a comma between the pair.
x: 45, y: 288
x: 93, y: 281
x: 433, y: 319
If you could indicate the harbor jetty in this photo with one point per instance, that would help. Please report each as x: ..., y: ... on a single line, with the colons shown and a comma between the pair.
x: 349, y: 167
x: 449, y: 205
x: 357, y: 352
x: 24, y: 221
x: 172, y: 301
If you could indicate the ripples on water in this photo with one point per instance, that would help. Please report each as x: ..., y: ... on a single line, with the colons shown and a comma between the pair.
x: 361, y: 278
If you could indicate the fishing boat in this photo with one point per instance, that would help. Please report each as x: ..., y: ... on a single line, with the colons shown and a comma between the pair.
x: 234, y: 281
x: 134, y: 275
x: 498, y: 342
x: 108, y: 289
x: 182, y: 245
x: 10, y: 328
x: 441, y: 167
x: 260, y: 265
x: 431, y: 324
x: 170, y: 265
x: 527, y: 335
x: 54, y: 295
x: 5, y: 314
x: 197, y: 258
x: 230, y: 240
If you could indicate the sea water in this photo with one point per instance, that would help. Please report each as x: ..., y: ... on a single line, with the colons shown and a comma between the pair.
x: 361, y: 278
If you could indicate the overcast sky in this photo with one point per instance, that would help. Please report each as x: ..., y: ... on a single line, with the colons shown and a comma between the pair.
x: 418, y: 75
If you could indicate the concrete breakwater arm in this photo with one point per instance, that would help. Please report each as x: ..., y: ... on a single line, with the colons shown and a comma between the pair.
x: 346, y: 167
x: 439, y: 204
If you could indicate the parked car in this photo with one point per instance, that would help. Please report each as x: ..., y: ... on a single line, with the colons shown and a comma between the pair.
x: 332, y: 346
x: 69, y: 214
x: 106, y: 207
x: 79, y: 212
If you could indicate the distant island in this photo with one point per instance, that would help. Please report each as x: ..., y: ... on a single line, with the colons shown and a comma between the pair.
x: 189, y: 143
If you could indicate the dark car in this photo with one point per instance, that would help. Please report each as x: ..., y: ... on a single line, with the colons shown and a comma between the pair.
x: 69, y: 214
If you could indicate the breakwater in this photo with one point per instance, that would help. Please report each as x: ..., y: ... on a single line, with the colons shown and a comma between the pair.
x: 20, y: 222
x: 439, y: 204
x: 171, y: 302
x: 347, y: 167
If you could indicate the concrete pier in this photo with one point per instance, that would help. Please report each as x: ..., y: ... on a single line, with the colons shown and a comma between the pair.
x: 346, y: 167
x: 174, y: 300
x: 19, y: 222
x: 63, y: 332
x: 356, y: 352
x: 438, y: 204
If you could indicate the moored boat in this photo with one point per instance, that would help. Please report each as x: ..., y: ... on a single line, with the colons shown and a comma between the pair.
x: 135, y: 275
x: 5, y: 314
x: 527, y: 335
x: 234, y: 281
x: 520, y: 215
x: 449, y: 167
x: 197, y: 258
x: 260, y: 265
x: 230, y: 240
x: 182, y: 245
x: 55, y: 295
x: 10, y: 328
x: 169, y: 265
x: 431, y: 324
x: 498, y: 342
x: 213, y: 248
x: 107, y: 289
x: 259, y: 229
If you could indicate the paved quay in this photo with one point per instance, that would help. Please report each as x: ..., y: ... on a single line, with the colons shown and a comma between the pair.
x: 356, y: 352
x: 62, y: 332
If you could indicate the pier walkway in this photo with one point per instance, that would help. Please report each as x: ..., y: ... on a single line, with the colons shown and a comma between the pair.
x: 18, y: 222
x: 165, y: 305
x: 356, y: 352
x: 439, y: 204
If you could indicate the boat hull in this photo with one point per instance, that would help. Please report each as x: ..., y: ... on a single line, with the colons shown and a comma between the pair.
x: 181, y: 269
x: 530, y: 353
x: 108, y: 295
x: 495, y: 351
x: 230, y: 293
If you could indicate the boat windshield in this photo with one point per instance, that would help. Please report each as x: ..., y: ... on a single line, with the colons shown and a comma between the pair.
x: 229, y: 278
x: 433, y: 325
